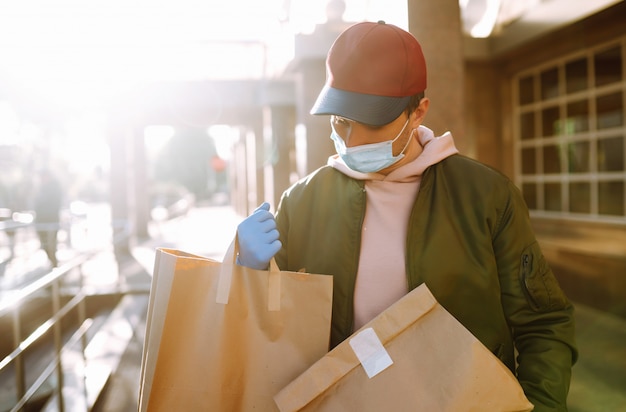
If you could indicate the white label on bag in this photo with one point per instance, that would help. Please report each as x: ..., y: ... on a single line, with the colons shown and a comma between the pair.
x: 371, y: 352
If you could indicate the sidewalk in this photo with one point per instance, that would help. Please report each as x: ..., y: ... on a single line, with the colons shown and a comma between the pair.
x: 599, y: 377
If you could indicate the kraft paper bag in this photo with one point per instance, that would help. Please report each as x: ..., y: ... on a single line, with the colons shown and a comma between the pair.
x: 415, y: 356
x: 223, y: 337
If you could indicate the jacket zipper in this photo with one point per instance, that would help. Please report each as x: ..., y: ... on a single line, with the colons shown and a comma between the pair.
x: 408, y: 251
x: 358, y: 252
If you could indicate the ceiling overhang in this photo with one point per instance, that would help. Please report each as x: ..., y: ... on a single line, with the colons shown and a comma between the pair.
x: 539, y: 19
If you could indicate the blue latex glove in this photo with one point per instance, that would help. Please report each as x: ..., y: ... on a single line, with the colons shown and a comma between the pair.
x: 258, y: 238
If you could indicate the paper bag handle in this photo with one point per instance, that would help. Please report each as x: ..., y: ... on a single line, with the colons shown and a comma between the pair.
x: 226, y: 278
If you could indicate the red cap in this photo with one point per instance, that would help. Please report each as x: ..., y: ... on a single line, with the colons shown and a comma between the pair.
x: 372, y: 70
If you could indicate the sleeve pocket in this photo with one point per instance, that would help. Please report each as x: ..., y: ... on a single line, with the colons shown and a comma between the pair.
x: 539, y: 284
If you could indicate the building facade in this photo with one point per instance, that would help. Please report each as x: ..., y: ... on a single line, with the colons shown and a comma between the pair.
x: 550, y: 113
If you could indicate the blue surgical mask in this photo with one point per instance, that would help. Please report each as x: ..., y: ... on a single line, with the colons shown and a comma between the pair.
x: 368, y: 158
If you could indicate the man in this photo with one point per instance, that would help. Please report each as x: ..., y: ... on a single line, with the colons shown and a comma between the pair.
x: 398, y: 207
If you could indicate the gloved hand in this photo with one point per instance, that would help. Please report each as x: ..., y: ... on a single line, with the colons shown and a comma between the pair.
x: 258, y: 238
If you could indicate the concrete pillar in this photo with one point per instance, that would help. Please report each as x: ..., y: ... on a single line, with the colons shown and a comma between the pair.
x: 257, y: 151
x: 317, y: 128
x: 282, y: 144
x: 140, y: 195
x: 437, y: 26
x: 119, y: 137
x: 247, y: 171
x: 310, y: 66
x: 253, y: 151
x: 130, y: 203
x: 238, y: 178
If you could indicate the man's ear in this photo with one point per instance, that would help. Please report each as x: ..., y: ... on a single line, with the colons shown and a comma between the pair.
x: 417, y: 117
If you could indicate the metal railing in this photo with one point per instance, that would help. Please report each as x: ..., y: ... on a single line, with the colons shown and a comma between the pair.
x: 50, y: 285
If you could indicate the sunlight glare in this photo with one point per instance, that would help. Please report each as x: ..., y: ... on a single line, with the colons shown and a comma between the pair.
x: 156, y: 137
x: 487, y: 22
x: 79, y: 52
x: 84, y: 144
x: 224, y: 136
x: 65, y: 62
x: 9, y: 124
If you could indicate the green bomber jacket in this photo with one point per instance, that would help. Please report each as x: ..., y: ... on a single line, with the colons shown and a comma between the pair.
x: 471, y: 242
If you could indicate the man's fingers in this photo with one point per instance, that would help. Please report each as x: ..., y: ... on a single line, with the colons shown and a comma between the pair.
x: 263, y: 207
x: 262, y: 216
x: 272, y: 236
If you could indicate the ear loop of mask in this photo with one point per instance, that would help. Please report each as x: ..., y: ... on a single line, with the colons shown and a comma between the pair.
x: 407, y: 141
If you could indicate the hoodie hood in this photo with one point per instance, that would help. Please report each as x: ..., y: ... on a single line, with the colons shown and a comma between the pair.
x: 434, y: 150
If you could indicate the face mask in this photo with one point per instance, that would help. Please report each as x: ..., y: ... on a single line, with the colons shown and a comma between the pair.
x: 368, y: 158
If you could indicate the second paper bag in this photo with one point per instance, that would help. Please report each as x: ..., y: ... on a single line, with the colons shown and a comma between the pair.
x: 223, y: 337
x: 415, y: 356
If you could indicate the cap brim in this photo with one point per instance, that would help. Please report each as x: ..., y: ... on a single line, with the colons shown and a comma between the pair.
x: 363, y: 108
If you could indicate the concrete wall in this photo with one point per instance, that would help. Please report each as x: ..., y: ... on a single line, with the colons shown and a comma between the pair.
x: 437, y: 26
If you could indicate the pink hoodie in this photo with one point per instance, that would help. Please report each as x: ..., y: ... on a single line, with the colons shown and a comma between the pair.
x: 381, y: 278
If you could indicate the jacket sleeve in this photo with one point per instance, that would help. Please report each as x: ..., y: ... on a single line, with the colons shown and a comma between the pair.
x: 537, y: 310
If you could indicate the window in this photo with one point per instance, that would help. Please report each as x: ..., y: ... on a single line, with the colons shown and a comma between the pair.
x: 571, y: 135
x: 576, y: 76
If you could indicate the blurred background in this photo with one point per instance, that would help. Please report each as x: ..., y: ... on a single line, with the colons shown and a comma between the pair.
x: 125, y: 126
